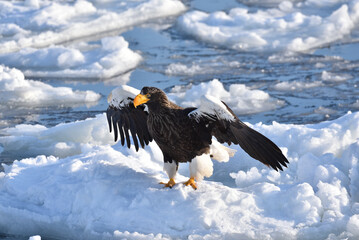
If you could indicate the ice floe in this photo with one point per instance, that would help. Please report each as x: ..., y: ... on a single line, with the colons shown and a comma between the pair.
x: 296, y: 85
x: 332, y: 77
x: 110, y: 192
x: 68, y: 39
x: 288, y: 26
x: 61, y: 22
x: 112, y: 57
x: 240, y: 98
x: 18, y: 91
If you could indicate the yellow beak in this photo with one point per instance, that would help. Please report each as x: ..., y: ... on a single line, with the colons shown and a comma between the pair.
x: 140, y: 99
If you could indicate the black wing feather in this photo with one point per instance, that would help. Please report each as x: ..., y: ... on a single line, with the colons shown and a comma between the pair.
x: 257, y: 145
x: 252, y: 142
x: 126, y: 118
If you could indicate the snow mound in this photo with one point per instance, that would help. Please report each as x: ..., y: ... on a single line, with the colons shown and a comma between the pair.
x: 18, y: 91
x: 288, y: 26
x: 240, y: 98
x: 113, y: 57
x: 66, y: 39
x: 109, y: 192
x: 61, y: 22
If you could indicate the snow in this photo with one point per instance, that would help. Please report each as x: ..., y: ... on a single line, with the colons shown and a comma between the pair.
x: 286, y: 26
x: 113, y: 57
x: 18, y: 91
x: 43, y: 38
x: 71, y: 183
x: 37, y: 237
x: 65, y: 21
x: 240, y: 98
x: 181, y: 69
x: 332, y: 77
x: 296, y: 85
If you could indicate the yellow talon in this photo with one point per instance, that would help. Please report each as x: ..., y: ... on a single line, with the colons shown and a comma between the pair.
x: 192, y: 183
x: 170, y: 183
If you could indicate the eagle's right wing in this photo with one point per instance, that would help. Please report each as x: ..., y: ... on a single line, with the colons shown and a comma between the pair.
x: 123, y: 117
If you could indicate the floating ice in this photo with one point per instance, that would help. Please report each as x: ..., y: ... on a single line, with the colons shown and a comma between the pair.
x: 296, y: 85
x: 240, y: 98
x: 113, y: 57
x: 99, y: 191
x: 36, y: 237
x: 18, y: 91
x: 181, y: 69
x: 332, y: 77
x: 62, y: 22
x: 60, y: 38
x: 290, y: 26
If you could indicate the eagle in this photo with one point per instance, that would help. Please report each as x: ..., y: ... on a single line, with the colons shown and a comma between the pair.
x: 185, y: 134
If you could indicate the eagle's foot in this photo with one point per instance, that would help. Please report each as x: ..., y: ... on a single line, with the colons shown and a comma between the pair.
x: 192, y: 183
x: 170, y: 183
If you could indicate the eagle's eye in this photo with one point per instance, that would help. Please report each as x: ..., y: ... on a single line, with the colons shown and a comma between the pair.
x: 148, y: 95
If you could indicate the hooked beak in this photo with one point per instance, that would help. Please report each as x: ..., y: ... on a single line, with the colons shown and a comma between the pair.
x: 140, y: 99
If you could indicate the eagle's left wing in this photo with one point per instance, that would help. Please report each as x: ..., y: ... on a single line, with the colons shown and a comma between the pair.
x: 226, y: 127
x: 123, y: 117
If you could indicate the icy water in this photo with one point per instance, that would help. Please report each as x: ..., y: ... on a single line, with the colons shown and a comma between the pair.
x: 310, y: 96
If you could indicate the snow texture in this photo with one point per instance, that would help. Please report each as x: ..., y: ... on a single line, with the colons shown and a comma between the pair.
x: 18, y: 91
x: 288, y: 25
x: 71, y: 181
x: 240, y: 98
x: 113, y: 57
x: 74, y: 184
x: 43, y: 38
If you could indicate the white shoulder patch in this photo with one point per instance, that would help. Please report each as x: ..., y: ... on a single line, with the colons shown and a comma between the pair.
x: 118, y: 96
x: 212, y: 106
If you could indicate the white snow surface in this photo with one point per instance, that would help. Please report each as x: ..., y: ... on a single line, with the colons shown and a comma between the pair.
x: 240, y: 98
x: 297, y: 26
x: 15, y: 90
x: 65, y: 39
x: 74, y: 184
x: 111, y: 58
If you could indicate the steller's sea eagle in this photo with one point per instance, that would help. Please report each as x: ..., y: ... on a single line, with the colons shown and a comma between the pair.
x: 185, y: 134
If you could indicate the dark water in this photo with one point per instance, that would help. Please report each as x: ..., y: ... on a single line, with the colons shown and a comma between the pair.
x: 257, y: 70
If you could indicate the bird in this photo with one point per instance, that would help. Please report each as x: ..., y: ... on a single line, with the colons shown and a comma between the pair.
x: 193, y: 134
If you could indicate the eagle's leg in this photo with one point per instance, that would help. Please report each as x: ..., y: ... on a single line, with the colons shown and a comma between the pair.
x: 170, y: 167
x: 199, y: 167
x: 191, y: 183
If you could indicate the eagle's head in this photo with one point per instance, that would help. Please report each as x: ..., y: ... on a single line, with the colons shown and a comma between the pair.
x: 150, y: 95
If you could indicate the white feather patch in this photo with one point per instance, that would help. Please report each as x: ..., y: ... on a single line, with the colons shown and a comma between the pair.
x: 200, y: 167
x: 119, y: 96
x: 212, y: 106
x: 170, y: 169
x: 219, y: 152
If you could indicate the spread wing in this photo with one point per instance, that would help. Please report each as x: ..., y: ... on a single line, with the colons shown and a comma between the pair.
x: 124, y: 118
x: 226, y: 127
